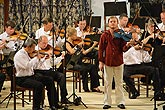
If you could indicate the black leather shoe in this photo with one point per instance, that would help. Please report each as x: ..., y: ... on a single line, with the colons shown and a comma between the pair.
x: 58, y: 106
x: 121, y: 106
x: 87, y: 90
x: 38, y: 109
x: 106, y: 106
x: 53, y: 108
x: 135, y: 95
x: 66, y: 101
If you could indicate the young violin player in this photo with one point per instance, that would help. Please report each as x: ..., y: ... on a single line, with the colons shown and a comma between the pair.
x: 45, y: 67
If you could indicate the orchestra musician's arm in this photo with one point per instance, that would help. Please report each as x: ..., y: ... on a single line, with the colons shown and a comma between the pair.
x: 90, y: 49
x: 147, y: 38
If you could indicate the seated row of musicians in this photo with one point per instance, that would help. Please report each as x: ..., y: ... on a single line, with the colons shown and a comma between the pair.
x: 74, y: 56
x: 136, y: 61
x: 25, y: 76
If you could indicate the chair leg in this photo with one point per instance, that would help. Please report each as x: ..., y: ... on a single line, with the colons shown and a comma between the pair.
x: 79, y: 82
x: 23, y: 99
x: 29, y: 96
x: 147, y: 93
x: 139, y: 85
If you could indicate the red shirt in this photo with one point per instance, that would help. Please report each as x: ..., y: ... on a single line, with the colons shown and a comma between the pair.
x: 111, y: 49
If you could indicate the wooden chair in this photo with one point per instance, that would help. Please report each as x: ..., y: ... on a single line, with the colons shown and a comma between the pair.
x: 138, y: 83
x: 17, y: 88
x: 77, y: 78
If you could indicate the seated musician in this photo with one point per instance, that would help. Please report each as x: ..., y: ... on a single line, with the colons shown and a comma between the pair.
x: 135, y: 62
x: 82, y: 32
x: 47, y: 30
x: 8, y: 42
x: 74, y: 49
x: 25, y: 76
x: 45, y: 68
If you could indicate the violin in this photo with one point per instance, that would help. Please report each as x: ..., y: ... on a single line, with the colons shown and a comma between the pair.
x: 77, y: 41
x: 18, y: 35
x: 87, y: 42
x: 119, y: 33
x: 35, y: 53
x: 57, y: 50
x: 146, y: 47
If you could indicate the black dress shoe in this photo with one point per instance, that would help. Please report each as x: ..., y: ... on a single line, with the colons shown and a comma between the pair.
x: 53, y: 108
x: 121, y: 106
x: 87, y: 90
x: 66, y: 101
x: 38, y: 109
x: 58, y: 106
x: 106, y: 106
x: 135, y: 95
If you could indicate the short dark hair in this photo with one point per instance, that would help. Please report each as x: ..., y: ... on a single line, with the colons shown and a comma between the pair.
x: 123, y: 15
x: 10, y: 23
x: 47, y: 20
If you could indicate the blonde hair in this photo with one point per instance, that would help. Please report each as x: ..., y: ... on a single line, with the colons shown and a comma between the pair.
x: 70, y: 31
x: 152, y: 21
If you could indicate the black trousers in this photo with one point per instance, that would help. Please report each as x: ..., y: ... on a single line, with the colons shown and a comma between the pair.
x: 142, y: 69
x: 2, y: 79
x: 59, y: 77
x: 38, y: 82
x: 86, y: 68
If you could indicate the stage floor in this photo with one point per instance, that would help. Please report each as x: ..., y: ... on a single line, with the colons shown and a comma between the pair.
x: 93, y: 100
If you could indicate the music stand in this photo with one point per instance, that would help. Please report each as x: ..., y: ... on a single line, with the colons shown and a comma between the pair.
x: 114, y: 8
x: 154, y: 9
x: 94, y: 37
x: 138, y: 21
x: 95, y: 22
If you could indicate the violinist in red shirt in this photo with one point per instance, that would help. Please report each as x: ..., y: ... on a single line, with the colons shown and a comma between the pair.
x: 110, y: 57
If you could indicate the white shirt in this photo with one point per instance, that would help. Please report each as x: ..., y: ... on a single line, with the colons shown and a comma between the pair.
x: 11, y: 45
x: 80, y: 33
x: 24, y: 64
x: 59, y: 42
x: 133, y: 56
x: 161, y: 26
x: 46, y: 64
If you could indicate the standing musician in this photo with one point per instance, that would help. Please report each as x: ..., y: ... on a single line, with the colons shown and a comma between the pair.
x: 45, y: 67
x: 74, y: 57
x: 25, y: 76
x: 47, y: 31
x: 111, y: 60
